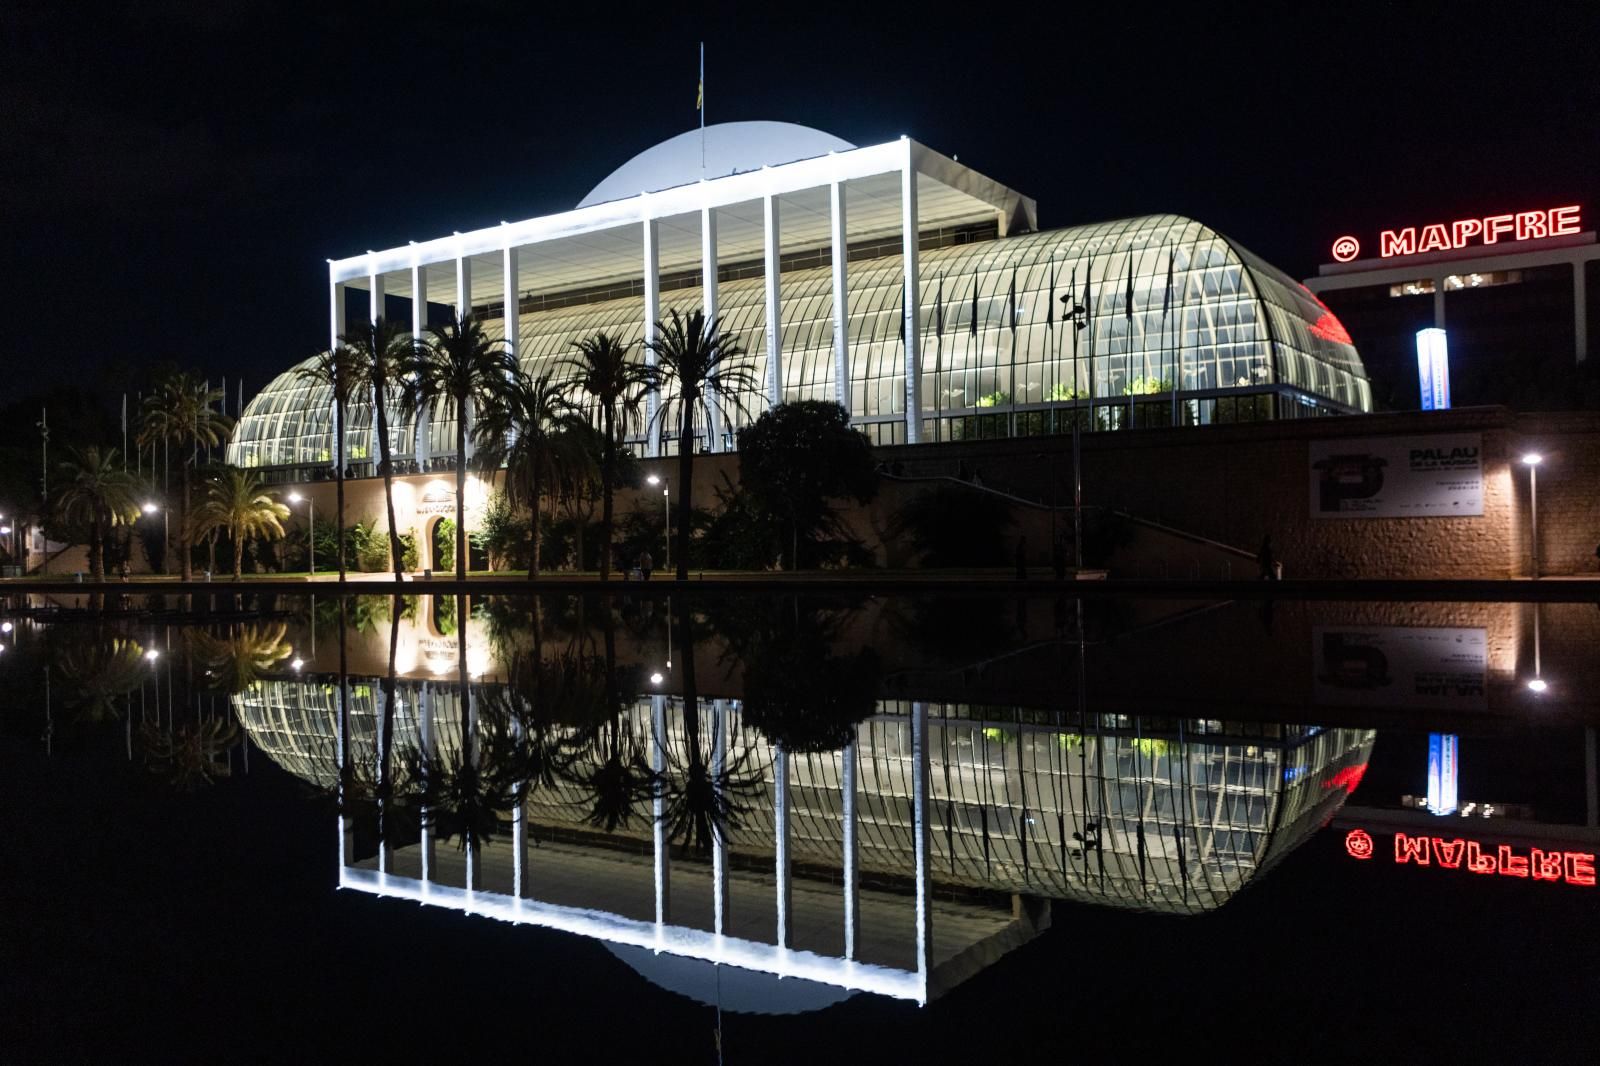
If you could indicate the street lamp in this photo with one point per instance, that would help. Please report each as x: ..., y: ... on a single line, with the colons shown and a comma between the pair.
x: 166, y: 535
x: 311, y: 527
x: 1532, y: 461
x: 666, y: 513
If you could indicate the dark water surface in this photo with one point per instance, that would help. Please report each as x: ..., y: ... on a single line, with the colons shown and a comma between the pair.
x: 586, y: 829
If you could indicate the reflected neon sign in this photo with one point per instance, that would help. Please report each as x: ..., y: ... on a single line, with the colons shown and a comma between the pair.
x: 1536, y: 864
x: 1467, y: 232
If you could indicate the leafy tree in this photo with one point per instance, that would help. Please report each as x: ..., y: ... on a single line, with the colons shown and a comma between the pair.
x: 531, y: 429
x: 237, y: 504
x: 180, y: 413
x: 336, y: 370
x: 604, y: 372
x: 699, y: 369
x: 97, y: 493
x: 462, y: 364
x: 380, y: 352
x: 798, y: 457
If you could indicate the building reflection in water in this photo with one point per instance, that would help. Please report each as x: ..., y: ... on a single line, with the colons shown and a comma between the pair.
x: 675, y: 831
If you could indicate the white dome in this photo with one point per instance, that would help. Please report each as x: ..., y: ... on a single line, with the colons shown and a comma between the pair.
x: 730, y: 147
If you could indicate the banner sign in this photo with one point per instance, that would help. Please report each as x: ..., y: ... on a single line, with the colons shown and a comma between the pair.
x: 1400, y: 666
x: 1398, y: 477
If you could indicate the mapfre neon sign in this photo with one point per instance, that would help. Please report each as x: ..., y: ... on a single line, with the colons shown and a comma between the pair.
x: 1504, y: 860
x: 1466, y: 233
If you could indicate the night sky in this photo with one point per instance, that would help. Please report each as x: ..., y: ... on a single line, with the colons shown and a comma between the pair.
x: 173, y: 175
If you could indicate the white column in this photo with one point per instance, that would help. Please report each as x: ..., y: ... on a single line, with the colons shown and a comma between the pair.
x: 519, y: 850
x: 429, y: 745
x: 374, y: 312
x: 658, y: 763
x: 652, y: 315
x: 852, y: 873
x: 772, y: 253
x: 419, y: 326
x: 920, y: 769
x: 841, y: 297
x: 469, y: 726
x: 335, y: 327
x: 463, y: 309
x: 385, y: 848
x: 513, y: 304
x: 783, y: 864
x: 719, y: 842
x: 708, y: 302
x: 1580, y: 312
x: 912, y: 298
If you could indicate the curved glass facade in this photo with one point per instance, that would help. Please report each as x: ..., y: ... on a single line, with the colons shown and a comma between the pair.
x: 1185, y: 814
x: 1019, y: 335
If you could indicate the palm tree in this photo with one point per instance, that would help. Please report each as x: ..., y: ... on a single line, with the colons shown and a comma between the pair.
x: 616, y: 384
x: 235, y: 662
x: 99, y: 673
x: 698, y: 369
x: 180, y: 412
x: 99, y: 492
x: 380, y: 352
x: 236, y: 503
x: 461, y: 363
x: 532, y: 430
x: 339, y: 371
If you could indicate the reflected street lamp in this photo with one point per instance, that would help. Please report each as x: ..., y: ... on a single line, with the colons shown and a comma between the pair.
x: 311, y: 527
x: 1532, y: 461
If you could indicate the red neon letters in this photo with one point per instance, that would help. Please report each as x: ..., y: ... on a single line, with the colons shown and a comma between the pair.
x: 1572, y: 867
x: 1442, y: 237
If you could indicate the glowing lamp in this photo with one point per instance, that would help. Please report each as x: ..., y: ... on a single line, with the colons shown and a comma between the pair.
x: 1538, y: 684
x: 1533, y: 459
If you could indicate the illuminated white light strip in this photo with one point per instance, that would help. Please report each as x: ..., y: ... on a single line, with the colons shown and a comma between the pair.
x: 852, y: 877
x: 658, y: 763
x: 912, y: 299
x: 708, y: 301
x: 839, y: 247
x: 673, y: 940
x: 652, y: 315
x: 770, y: 272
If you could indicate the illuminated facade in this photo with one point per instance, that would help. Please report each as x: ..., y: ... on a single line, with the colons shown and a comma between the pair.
x: 911, y: 289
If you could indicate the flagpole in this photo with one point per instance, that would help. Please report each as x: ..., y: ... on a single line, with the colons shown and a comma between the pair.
x: 701, y: 102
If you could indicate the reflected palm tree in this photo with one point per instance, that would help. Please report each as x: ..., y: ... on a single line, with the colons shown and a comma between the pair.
x: 704, y: 801
x: 98, y: 674
x: 193, y: 755
x: 235, y: 662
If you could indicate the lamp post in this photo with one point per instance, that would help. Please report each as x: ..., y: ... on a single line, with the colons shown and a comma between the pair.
x: 1532, y: 461
x: 311, y: 527
x: 166, y: 535
x: 666, y: 513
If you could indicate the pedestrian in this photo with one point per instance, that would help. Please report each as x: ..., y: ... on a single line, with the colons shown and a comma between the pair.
x: 124, y: 569
x: 646, y: 564
x: 1266, y: 560
x: 1022, y: 558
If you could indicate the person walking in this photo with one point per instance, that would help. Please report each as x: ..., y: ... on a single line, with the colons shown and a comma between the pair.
x: 1266, y: 560
x: 646, y: 564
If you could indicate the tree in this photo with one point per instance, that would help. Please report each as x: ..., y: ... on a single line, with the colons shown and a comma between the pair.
x: 616, y: 384
x: 235, y: 503
x: 698, y: 370
x: 96, y: 492
x: 532, y: 430
x: 799, y: 456
x: 337, y: 371
x: 180, y: 412
x: 380, y: 354
x: 460, y: 363
x: 952, y: 525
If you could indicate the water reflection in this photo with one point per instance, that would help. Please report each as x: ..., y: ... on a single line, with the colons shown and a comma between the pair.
x: 862, y: 795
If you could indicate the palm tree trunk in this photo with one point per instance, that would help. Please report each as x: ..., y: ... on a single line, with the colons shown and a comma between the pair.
x: 186, y: 563
x: 97, y: 560
x: 238, y: 553
x: 685, y: 483
x: 461, y: 491
x: 608, y: 479
x: 533, y: 535
x: 396, y: 551
x: 338, y: 455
